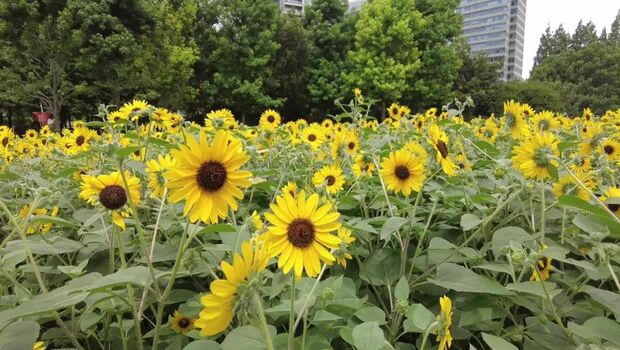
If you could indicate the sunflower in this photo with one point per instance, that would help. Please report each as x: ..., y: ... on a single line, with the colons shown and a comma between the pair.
x: 439, y: 140
x: 109, y: 192
x: 81, y: 140
x: 301, y: 233
x: 444, y: 337
x: 488, y: 132
x: 393, y: 111
x: 419, y: 123
x: 462, y: 162
x: 611, y: 149
x: 611, y: 198
x: 534, y: 156
x: 290, y: 188
x: 342, y: 253
x: 331, y: 176
x: 155, y: 169
x: 313, y: 135
x: 514, y: 121
x: 402, y: 172
x: 358, y: 94
x: 363, y: 166
x: 134, y: 108
x: 116, y: 117
x: 37, y: 227
x: 243, y: 274
x: 545, y: 121
x: 403, y: 111
x: 207, y: 176
x: 417, y: 150
x: 256, y: 222
x: 430, y: 113
x: 39, y: 346
x: 218, y: 119
x: 544, y: 269
x: 31, y: 134
x: 587, y: 114
x: 580, y: 164
x: 567, y: 185
x: 180, y: 323
x: 269, y: 120
x: 351, y: 143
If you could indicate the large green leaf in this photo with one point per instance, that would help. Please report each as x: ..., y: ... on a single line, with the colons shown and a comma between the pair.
x: 418, y: 319
x: 391, y: 225
x: 371, y: 313
x: 20, y: 335
x: 245, y: 338
x: 503, y: 237
x: 203, y: 344
x: 534, y: 287
x: 470, y: 222
x: 497, y: 343
x: 368, y: 336
x: 462, y: 279
x: 598, y: 327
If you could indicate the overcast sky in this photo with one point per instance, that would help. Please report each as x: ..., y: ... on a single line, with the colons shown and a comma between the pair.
x: 539, y: 13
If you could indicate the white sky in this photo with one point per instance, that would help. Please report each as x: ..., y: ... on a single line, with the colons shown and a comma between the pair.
x: 539, y: 13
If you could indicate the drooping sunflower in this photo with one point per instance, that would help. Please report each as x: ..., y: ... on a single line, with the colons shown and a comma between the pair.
x: 301, y: 233
x: 269, y: 120
x: 402, y: 172
x: 610, y: 149
x: 393, y: 111
x: 439, y: 140
x: 363, y: 166
x: 217, y: 312
x: 180, y: 323
x: 218, y: 119
x: 567, y: 185
x: 155, y: 168
x: 133, y: 108
x: 37, y: 227
x: 580, y: 164
x: 290, y: 188
x: 331, y: 176
x: 444, y: 336
x: 419, y: 123
x: 514, y: 121
x: 534, y: 156
x: 109, y: 192
x: 342, y: 254
x: 544, y: 269
x: 207, y: 176
x: 611, y: 198
x: 39, y: 346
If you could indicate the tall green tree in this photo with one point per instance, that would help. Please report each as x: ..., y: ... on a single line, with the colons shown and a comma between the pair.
x: 584, y: 35
x: 545, y: 47
x: 386, y: 53
x: 560, y: 41
x: 614, y: 33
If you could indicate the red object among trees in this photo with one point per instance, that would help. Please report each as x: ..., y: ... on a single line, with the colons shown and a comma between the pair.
x: 42, y: 117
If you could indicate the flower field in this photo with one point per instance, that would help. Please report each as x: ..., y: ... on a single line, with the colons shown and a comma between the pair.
x: 420, y: 231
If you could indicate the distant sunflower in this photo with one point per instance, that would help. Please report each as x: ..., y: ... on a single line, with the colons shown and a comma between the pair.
x: 207, y: 176
x: 155, y: 168
x: 402, y: 172
x: 544, y: 269
x: 269, y: 120
x: 514, y: 121
x: 358, y: 94
x: 244, y: 273
x: 81, y: 139
x: 611, y: 198
x: 566, y: 185
x: 393, y: 111
x: 545, y: 121
x: 109, y: 192
x: 419, y: 123
x: 488, y: 132
x: 403, y: 111
x: 342, y: 254
x: 444, y: 336
x: 580, y: 164
x: 534, y: 156
x: 31, y: 134
x: 327, y: 123
x: 290, y: 188
x: 417, y: 150
x: 439, y: 140
x: 610, y: 149
x: 313, y: 135
x: 331, y: 176
x: 134, y: 108
x: 301, y: 233
x: 37, y: 227
x: 363, y: 166
x: 180, y: 323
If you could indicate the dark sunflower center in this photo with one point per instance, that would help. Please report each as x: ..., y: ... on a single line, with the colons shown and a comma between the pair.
x: 584, y: 129
x: 330, y: 179
x: 461, y: 166
x: 211, y: 176
x: 351, y: 145
x: 184, y: 323
x: 135, y: 109
x: 608, y: 149
x: 79, y: 140
x: 117, y: 118
x: 442, y: 148
x: 419, y: 124
x: 394, y: 111
x: 311, y: 137
x: 300, y: 233
x: 613, y: 207
x: 271, y: 119
x: 113, y: 197
x: 365, y: 167
x: 5, y: 141
x: 402, y: 172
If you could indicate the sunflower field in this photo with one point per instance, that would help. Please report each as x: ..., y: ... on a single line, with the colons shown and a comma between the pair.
x: 143, y: 230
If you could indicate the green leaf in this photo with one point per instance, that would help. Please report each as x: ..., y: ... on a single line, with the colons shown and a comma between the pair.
x: 138, y: 275
x: 368, y: 336
x: 125, y: 151
x: 470, y: 221
x: 218, y: 228
x: 245, y: 338
x: 203, y: 344
x: 462, y: 279
x: 598, y: 327
x: 371, y: 313
x: 608, y: 299
x: 534, y: 287
x: 402, y: 289
x: 19, y: 335
x: 503, y: 237
x: 487, y: 147
x: 8, y: 176
x: 497, y: 343
x: 391, y: 225
x: 325, y: 316
x: 553, y: 171
x: 418, y: 319
x: 599, y: 214
x: 45, y: 219
x: 53, y: 246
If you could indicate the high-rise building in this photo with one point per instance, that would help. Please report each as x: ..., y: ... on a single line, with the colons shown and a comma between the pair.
x: 295, y: 7
x: 496, y: 28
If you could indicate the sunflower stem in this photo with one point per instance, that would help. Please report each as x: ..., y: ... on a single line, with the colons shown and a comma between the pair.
x: 385, y: 194
x: 556, y: 317
x: 258, y: 303
x: 427, y: 332
x: 173, y: 276
x: 305, y: 304
x: 542, y: 211
x: 613, y: 274
x: 291, y: 316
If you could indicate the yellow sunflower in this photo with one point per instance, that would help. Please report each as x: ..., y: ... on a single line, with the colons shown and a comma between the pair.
x: 331, y: 176
x: 269, y: 120
x: 611, y: 149
x: 81, y: 139
x: 363, y: 166
x: 534, y: 156
x: 342, y: 254
x: 580, y: 164
x: 207, y: 176
x: 134, y: 108
x: 313, y: 135
x: 393, y: 111
x: 488, y: 132
x: 118, y: 116
x: 180, y: 323
x: 567, y: 185
x: 544, y: 268
x: 301, y: 233
x: 155, y: 168
x: 244, y: 273
x: 545, y: 121
x: 514, y: 121
x: 39, y: 346
x: 256, y: 222
x: 402, y: 172
x: 439, y: 140
x: 419, y: 123
x: 403, y: 111
x: 417, y: 150
x: 218, y: 119
x: 37, y: 227
x: 109, y: 192
x: 444, y: 337
x: 611, y: 198
x: 290, y: 188
x: 358, y: 94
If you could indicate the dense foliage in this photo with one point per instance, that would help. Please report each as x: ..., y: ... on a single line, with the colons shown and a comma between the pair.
x: 146, y: 231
